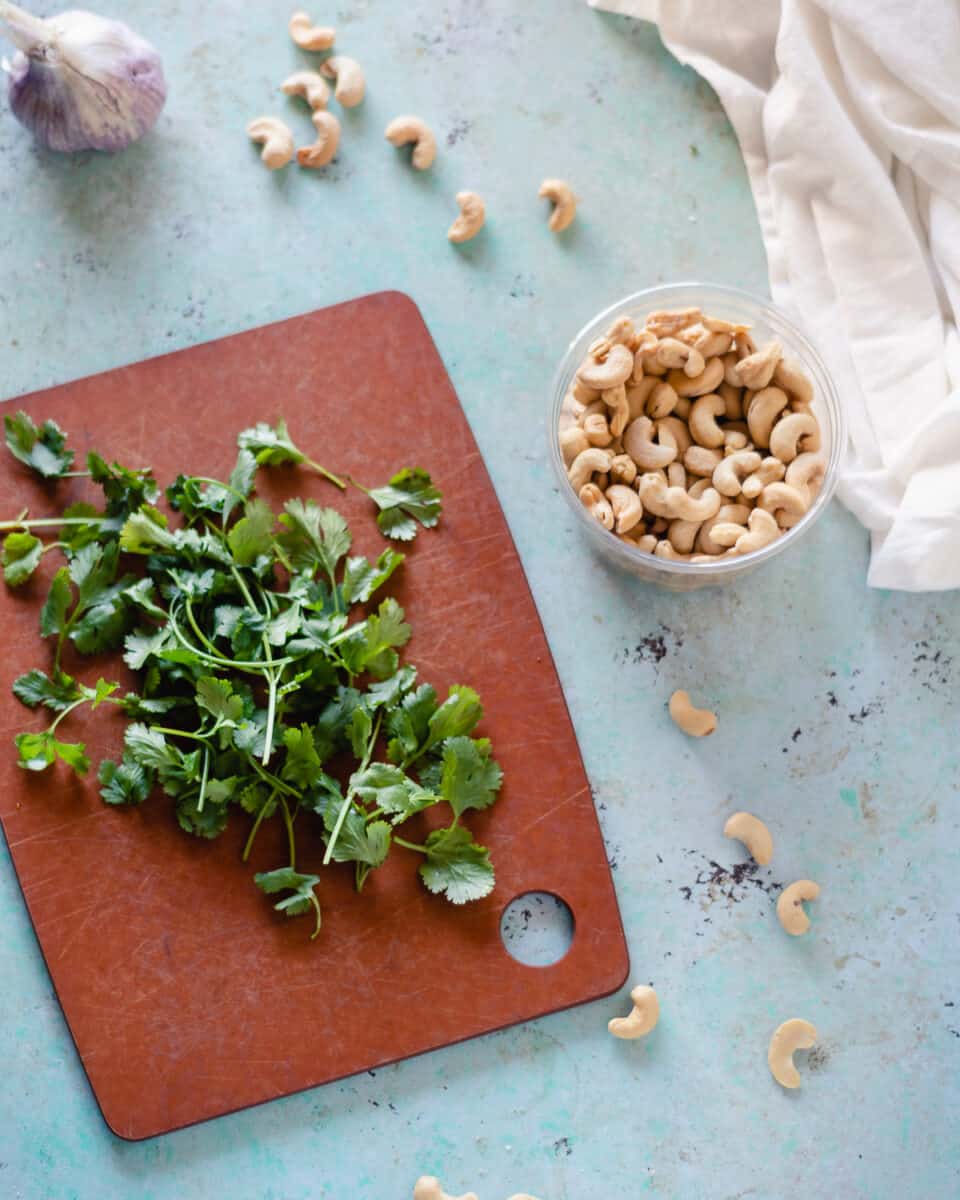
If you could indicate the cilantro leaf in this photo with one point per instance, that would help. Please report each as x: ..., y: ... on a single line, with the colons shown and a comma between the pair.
x: 42, y: 449
x: 104, y: 624
x: 93, y: 568
x: 357, y: 840
x: 360, y: 729
x: 369, y: 644
x: 251, y: 536
x: 206, y: 822
x: 73, y: 537
x: 216, y: 697
x: 361, y: 578
x: 270, y: 445
x: 39, y: 750
x: 37, y: 688
x: 142, y: 644
x: 388, y: 788
x: 457, y: 715
x: 388, y: 692
x: 125, y: 490
x: 126, y: 782
x: 21, y: 557
x: 145, y: 532
x: 470, y: 777
x: 301, y: 886
x: 53, y: 615
x: 456, y: 866
x: 408, y: 724
x: 302, y: 765
x: 314, y: 537
x: 409, y: 497
x: 254, y: 799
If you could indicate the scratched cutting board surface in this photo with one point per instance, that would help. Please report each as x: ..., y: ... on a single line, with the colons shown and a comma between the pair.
x: 186, y: 996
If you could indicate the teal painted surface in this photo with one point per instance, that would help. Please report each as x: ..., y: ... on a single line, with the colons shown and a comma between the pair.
x: 186, y: 238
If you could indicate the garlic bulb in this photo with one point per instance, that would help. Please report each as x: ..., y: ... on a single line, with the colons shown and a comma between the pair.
x: 81, y: 82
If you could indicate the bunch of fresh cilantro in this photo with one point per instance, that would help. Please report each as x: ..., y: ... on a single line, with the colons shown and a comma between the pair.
x: 270, y: 678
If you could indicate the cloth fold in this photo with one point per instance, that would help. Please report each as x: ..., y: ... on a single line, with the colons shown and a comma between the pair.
x: 848, y: 117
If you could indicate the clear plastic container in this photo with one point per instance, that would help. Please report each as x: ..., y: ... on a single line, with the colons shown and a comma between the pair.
x: 767, y: 322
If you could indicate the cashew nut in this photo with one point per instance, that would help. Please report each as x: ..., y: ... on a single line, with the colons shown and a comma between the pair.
x: 643, y: 1016
x: 732, y: 399
x: 638, y: 443
x: 616, y: 399
x: 664, y: 549
x: 604, y: 374
x: 308, y: 84
x: 790, y: 908
x: 699, y: 486
x: 713, y: 344
x: 682, y: 408
x: 750, y: 830
x: 703, y: 425
x: 662, y: 400
x: 734, y: 440
x: 428, y: 1187
x: 725, y: 533
x: 672, y: 502
x: 638, y: 393
x: 756, y: 369
x: 597, y: 430
x: 708, y: 379
x: 676, y: 475
x: 325, y: 147
x: 697, y: 722
x: 789, y: 375
x: 564, y: 203
x: 786, y: 503
x: 309, y: 36
x: 771, y: 470
x: 473, y: 213
x: 765, y: 407
x: 573, y: 441
x: 699, y: 460
x: 792, y: 434
x: 586, y: 464
x: 668, y: 323
x: 795, y: 1034
x: 732, y: 470
x: 622, y: 330
x: 671, y: 431
x: 683, y: 534
x: 403, y: 130
x: 583, y: 394
x: 351, y: 85
x: 626, y: 505
x: 596, y: 504
x: 671, y: 352
x: 806, y: 471
x: 276, y: 139
x: 622, y: 469
x: 763, y: 530
x: 729, y: 514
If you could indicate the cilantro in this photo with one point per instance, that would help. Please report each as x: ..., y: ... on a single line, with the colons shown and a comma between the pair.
x: 286, y: 879
x: 470, y: 778
x: 125, y: 490
x: 409, y: 497
x: 126, y: 782
x: 145, y: 532
x: 72, y: 537
x: 20, y: 558
x: 362, y: 578
x: 53, y: 615
x: 250, y: 536
x: 271, y: 445
x: 303, y: 763
x: 456, y: 867
x: 39, y: 750
x: 42, y: 449
x: 315, y: 537
x: 36, y: 688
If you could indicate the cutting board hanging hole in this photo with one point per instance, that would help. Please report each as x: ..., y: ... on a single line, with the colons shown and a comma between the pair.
x: 537, y: 929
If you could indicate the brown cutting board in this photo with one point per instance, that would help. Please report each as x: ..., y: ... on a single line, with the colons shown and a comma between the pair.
x: 187, y: 997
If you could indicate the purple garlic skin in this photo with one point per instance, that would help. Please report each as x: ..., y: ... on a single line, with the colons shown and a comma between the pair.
x: 87, y: 84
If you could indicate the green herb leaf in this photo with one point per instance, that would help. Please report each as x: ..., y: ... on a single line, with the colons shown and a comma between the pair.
x: 370, y: 644
x: 409, y: 497
x: 314, y: 537
x: 388, y: 788
x: 39, y: 750
x: 361, y: 578
x: 251, y: 536
x: 470, y: 778
x: 207, y: 822
x: 143, y: 644
x: 456, y: 866
x: 457, y: 715
x: 42, y: 449
x: 216, y: 696
x: 408, y: 724
x: 302, y: 766
x: 20, y: 558
x: 126, y: 782
x: 53, y: 615
x: 145, y: 532
x: 360, y: 729
x: 301, y: 886
x: 37, y: 688
x: 74, y: 537
x: 271, y: 445
x: 125, y: 490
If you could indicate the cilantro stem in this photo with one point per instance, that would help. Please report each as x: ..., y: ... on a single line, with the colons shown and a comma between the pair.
x: 359, y: 486
x: 218, y: 660
x: 197, y: 737
x: 316, y: 904
x: 196, y: 628
x: 220, y: 484
x: 326, y: 474
x: 49, y: 522
x: 409, y: 845
x: 68, y: 709
x: 268, y: 777
x: 271, y: 675
x: 290, y: 840
x: 348, y: 800
x: 256, y: 825
x: 203, y: 779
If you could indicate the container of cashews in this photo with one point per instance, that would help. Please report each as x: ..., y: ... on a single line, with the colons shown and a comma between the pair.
x: 695, y: 433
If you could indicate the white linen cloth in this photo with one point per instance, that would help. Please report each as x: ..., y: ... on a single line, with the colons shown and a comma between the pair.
x: 848, y: 116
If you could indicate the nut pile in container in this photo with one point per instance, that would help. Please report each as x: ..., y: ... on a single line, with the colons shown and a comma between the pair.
x: 687, y: 441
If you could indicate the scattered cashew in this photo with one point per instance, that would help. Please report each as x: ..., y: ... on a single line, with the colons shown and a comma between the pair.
x: 790, y: 908
x: 309, y: 36
x: 643, y: 1016
x: 324, y: 149
x: 703, y: 425
x: 276, y: 139
x: 734, y: 440
x: 750, y: 830
x: 308, y: 84
x: 428, y: 1187
x: 673, y: 353
x: 626, y: 505
x: 784, y: 502
x: 726, y: 533
x: 699, y: 460
x: 793, y: 434
x: 351, y: 85
x: 403, y: 130
x: 731, y: 471
x: 606, y: 373
x: 638, y: 443
x: 795, y: 1034
x: 671, y: 502
x: 765, y: 407
x: 638, y: 393
x: 771, y: 470
x: 596, y: 504
x: 708, y: 379
x: 756, y: 370
x: 585, y: 464
x: 473, y: 213
x: 697, y: 722
x: 564, y: 203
